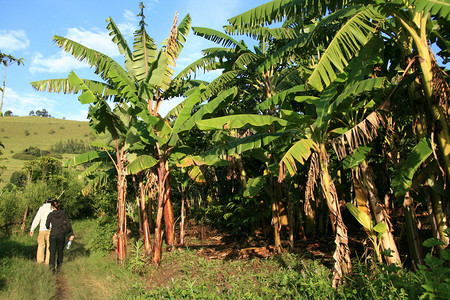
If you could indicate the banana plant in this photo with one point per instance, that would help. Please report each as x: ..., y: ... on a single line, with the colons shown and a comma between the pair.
x: 260, y: 76
x: 374, y: 231
x: 352, y: 23
x: 116, y: 128
x: 143, y: 83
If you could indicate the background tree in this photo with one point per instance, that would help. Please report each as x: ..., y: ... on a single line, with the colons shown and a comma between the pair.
x: 7, y: 60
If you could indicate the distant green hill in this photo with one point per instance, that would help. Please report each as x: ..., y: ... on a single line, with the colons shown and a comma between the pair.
x: 19, y: 133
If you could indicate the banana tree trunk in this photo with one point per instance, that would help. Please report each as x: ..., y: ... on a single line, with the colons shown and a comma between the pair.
x: 291, y: 224
x: 378, y: 211
x: 162, y: 175
x: 426, y: 62
x: 341, y: 256
x: 276, y: 224
x: 414, y: 243
x: 137, y: 197
x: 145, y: 219
x: 121, y: 215
x: 168, y: 215
x: 440, y: 218
x: 183, y: 216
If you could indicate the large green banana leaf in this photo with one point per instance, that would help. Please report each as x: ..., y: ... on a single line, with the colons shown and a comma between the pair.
x: 282, y: 54
x: 363, y: 218
x: 300, y: 151
x: 186, y: 112
x: 440, y: 8
x: 280, y: 97
x: 352, y: 35
x: 104, y: 120
x: 144, y: 52
x: 86, y: 157
x: 239, y: 121
x: 404, y: 173
x: 87, y: 96
x: 258, y: 33
x: 218, y: 37
x: 183, y: 30
x: 254, y: 186
x: 102, y: 63
x: 252, y: 142
x: 326, y: 110
x: 212, y: 59
x: 157, y: 77
x: 218, y: 102
x: 63, y: 85
x: 121, y: 43
x: 140, y: 163
x: 278, y: 10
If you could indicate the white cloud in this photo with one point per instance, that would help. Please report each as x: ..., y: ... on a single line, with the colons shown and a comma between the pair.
x: 149, y: 4
x: 22, y: 104
x: 58, y: 63
x: 12, y: 40
x: 128, y: 25
x: 95, y: 39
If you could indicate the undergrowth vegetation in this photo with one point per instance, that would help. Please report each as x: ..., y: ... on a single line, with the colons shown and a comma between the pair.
x: 89, y: 273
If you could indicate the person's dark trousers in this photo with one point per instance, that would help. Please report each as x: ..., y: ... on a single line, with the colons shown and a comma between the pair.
x: 56, y: 246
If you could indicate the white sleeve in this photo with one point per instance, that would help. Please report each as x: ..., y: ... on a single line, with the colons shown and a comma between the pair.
x: 36, y: 220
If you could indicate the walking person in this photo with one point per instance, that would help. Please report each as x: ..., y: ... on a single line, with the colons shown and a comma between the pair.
x: 60, y: 225
x: 43, y: 252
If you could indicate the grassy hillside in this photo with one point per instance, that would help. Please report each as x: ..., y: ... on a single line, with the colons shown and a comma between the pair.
x: 19, y: 133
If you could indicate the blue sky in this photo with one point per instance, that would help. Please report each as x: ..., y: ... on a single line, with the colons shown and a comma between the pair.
x: 27, y: 28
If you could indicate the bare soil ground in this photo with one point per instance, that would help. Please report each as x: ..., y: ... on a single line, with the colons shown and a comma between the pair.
x: 214, y: 245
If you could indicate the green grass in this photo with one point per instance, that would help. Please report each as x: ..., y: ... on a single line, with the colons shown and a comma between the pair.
x: 186, y: 274
x: 19, y: 133
x: 20, y: 276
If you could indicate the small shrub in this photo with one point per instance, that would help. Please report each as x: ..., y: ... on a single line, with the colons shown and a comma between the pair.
x: 51, y: 131
x: 62, y: 127
x: 102, y: 239
x: 26, y: 132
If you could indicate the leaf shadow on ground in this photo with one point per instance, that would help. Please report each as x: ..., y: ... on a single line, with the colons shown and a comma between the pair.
x: 9, y: 249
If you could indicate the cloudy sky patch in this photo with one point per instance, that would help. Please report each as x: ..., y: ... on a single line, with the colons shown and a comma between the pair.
x: 13, y: 40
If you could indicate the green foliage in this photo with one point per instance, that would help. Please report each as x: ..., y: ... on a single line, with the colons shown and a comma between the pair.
x: 76, y: 146
x: 373, y: 281
x: 138, y: 259
x: 28, y: 154
x: 9, y: 212
x: 17, y: 268
x: 433, y: 278
x: 102, y: 238
x: 18, y: 179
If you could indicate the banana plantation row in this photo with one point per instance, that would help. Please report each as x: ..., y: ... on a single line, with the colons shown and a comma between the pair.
x: 339, y: 105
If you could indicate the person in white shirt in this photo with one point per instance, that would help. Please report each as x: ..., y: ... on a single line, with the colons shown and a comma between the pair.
x: 43, y: 251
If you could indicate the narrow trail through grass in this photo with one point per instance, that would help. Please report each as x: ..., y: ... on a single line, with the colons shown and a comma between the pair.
x: 84, y: 274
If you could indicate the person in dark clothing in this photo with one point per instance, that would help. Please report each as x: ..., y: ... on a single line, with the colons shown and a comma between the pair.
x: 59, y: 225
